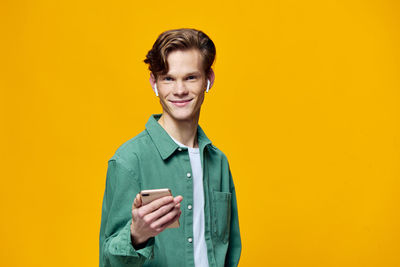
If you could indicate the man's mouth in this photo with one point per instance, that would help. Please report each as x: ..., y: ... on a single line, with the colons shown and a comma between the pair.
x: 180, y: 103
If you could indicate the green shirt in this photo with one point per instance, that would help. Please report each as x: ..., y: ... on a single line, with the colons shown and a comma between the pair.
x: 152, y: 160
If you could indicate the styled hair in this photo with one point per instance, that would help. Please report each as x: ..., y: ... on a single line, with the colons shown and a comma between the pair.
x: 179, y: 39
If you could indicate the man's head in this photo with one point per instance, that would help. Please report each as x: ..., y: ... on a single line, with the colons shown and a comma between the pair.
x: 180, y: 39
x: 180, y: 64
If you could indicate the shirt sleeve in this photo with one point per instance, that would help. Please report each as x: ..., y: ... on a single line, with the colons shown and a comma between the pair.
x: 115, y: 239
x: 235, y: 244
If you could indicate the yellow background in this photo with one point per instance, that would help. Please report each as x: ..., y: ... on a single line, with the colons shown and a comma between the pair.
x: 305, y: 105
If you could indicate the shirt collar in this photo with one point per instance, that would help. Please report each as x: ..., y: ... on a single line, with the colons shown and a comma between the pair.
x: 163, y: 142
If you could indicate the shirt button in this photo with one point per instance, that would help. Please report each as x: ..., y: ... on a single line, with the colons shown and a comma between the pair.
x: 189, y: 207
x: 190, y: 240
x: 189, y: 175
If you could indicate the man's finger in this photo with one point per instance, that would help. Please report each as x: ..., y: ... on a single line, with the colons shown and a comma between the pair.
x: 155, y: 215
x: 137, y: 203
x: 168, y: 219
x: 178, y: 199
x: 156, y: 204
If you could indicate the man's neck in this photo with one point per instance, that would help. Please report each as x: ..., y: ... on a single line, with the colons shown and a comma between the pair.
x: 185, y: 132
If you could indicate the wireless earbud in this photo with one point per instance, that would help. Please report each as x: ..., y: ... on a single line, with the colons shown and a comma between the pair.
x: 208, y: 86
x: 155, y: 89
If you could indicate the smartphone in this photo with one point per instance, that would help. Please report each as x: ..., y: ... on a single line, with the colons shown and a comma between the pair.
x: 153, y: 194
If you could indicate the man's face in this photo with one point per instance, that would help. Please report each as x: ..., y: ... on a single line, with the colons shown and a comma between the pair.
x: 181, y: 90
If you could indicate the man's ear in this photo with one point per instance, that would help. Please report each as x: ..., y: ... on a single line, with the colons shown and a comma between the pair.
x: 211, y: 77
x: 152, y: 80
x: 153, y: 83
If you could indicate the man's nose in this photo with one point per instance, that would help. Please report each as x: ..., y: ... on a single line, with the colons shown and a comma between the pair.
x: 180, y: 88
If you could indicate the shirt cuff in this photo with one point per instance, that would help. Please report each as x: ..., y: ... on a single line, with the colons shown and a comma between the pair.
x: 121, y: 245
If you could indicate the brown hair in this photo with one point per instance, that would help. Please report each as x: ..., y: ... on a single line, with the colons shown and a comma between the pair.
x: 179, y: 39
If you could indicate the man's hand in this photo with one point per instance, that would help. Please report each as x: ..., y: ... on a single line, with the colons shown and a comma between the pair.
x: 151, y: 219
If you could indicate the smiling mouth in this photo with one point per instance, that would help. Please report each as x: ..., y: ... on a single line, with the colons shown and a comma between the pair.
x: 180, y: 103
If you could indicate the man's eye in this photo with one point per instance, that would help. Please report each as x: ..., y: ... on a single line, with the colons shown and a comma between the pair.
x: 167, y: 79
x: 191, y: 77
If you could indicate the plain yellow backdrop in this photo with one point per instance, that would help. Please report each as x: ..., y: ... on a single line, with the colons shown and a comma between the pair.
x: 305, y: 105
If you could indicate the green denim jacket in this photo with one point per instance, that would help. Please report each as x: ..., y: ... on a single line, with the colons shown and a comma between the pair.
x: 152, y: 160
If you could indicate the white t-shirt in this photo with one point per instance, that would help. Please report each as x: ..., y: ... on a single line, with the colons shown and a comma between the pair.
x: 199, y: 242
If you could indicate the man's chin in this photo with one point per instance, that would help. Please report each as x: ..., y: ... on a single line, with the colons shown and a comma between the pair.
x: 181, y: 117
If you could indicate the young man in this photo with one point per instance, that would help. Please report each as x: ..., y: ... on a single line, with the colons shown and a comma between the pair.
x: 173, y: 152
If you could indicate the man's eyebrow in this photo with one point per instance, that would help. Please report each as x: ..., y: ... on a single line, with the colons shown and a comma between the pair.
x: 193, y: 73
x: 187, y: 74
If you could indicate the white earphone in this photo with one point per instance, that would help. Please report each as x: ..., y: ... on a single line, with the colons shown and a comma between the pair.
x: 208, y: 86
x: 155, y: 89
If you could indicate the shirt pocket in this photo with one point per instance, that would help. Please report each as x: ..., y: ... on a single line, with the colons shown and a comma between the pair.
x: 221, y: 215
